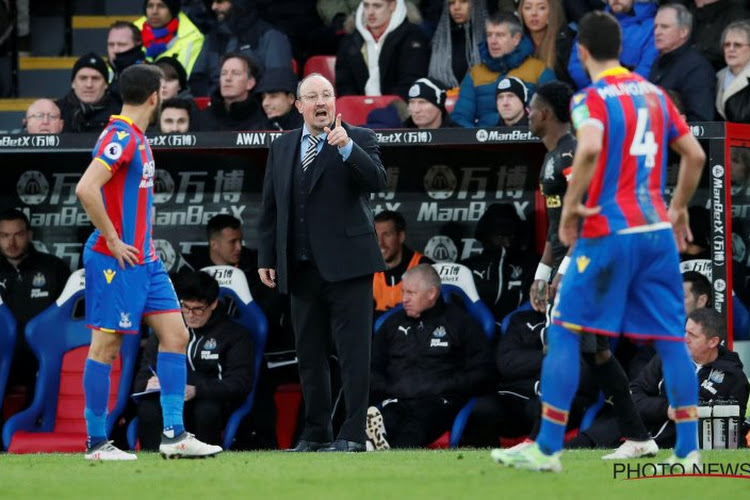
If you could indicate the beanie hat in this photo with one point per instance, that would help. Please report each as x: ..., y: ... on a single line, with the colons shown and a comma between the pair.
x: 93, y: 61
x: 280, y: 79
x: 429, y: 90
x: 178, y: 68
x: 514, y: 85
x: 172, y: 5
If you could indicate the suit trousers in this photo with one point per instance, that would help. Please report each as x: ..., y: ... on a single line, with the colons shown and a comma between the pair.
x: 332, y: 317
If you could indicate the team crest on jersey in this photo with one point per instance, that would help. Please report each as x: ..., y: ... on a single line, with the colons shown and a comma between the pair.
x: 549, y: 169
x: 439, y: 332
x: 716, y: 376
x: 113, y: 151
x: 125, y: 320
x: 39, y: 280
x: 109, y: 275
x: 582, y: 262
x: 210, y: 345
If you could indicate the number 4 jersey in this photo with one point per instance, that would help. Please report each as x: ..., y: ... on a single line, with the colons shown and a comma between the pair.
x: 129, y: 194
x: 639, y: 122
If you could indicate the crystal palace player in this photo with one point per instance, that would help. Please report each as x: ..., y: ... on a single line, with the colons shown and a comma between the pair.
x: 125, y: 280
x: 624, y: 276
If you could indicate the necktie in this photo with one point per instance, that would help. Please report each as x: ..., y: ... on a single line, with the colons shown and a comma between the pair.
x: 312, y: 150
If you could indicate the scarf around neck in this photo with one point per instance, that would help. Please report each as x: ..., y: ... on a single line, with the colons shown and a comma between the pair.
x: 157, y: 40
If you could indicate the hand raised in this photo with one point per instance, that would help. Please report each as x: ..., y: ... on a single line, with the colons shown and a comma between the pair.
x: 338, y: 136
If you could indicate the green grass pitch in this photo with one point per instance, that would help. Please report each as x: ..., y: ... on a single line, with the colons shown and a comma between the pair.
x: 469, y: 474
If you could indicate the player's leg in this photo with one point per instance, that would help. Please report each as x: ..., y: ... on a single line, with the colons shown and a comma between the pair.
x: 656, y: 310
x: 163, y: 315
x: 614, y: 383
x: 109, y: 315
x: 105, y: 346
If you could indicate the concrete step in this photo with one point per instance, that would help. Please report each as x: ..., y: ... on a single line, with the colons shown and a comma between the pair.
x: 44, y: 76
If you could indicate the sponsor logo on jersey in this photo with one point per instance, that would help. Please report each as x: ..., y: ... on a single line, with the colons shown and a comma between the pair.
x: 582, y: 262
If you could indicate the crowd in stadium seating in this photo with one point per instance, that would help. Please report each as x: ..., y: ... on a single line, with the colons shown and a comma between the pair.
x: 465, y: 48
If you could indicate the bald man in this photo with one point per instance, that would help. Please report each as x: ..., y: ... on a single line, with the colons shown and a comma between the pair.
x: 43, y: 117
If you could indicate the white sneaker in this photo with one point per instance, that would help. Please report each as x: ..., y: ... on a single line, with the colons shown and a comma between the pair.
x: 375, y: 429
x: 504, y: 456
x: 691, y: 464
x: 186, y: 446
x: 106, y: 451
x: 529, y: 457
x: 633, y: 449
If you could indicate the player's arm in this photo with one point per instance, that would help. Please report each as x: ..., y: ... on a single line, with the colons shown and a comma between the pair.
x: 559, y: 275
x: 692, y: 159
x: 590, y: 138
x: 89, y: 191
x: 538, y: 293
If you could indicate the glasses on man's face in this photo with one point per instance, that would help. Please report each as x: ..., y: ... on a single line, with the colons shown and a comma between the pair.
x: 40, y: 116
x: 198, y: 311
x: 327, y: 96
x: 735, y: 45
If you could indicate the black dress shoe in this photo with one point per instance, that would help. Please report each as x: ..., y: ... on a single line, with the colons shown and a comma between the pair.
x: 304, y: 445
x: 344, y: 445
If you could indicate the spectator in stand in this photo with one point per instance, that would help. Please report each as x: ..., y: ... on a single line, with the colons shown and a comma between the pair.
x: 219, y: 366
x: 427, y: 361
x: 427, y: 106
x: 697, y: 291
x: 175, y: 116
x: 167, y: 32
x: 506, y: 52
x: 239, y: 30
x: 233, y: 107
x: 511, y: 99
x: 277, y: 89
x: 124, y: 47
x: 455, y: 45
x: 720, y: 376
x: 43, y: 117
x: 711, y: 17
x: 29, y: 282
x: 385, y: 55
x: 733, y: 82
x: 680, y: 67
x: 88, y: 106
x: 390, y: 227
x: 544, y: 23
x: 175, y: 82
x: 636, y: 20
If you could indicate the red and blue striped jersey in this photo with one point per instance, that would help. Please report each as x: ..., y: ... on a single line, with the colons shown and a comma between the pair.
x: 639, y: 123
x: 129, y: 194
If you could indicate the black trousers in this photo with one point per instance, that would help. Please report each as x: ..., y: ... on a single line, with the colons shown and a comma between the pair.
x: 206, y: 418
x: 415, y: 423
x: 327, y: 317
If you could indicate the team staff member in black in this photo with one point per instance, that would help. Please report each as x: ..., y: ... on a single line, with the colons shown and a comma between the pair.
x: 219, y: 366
x: 427, y: 360
x: 29, y: 282
x: 317, y: 243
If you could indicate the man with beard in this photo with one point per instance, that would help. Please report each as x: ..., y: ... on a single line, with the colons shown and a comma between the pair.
x: 390, y: 227
x: 125, y: 280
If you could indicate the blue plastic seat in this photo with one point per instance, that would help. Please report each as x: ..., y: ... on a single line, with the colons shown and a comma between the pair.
x: 7, y: 346
x: 59, y: 338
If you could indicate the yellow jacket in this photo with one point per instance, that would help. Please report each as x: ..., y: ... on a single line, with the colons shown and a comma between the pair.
x: 186, y: 45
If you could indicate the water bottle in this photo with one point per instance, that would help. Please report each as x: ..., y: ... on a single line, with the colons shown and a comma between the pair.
x: 733, y: 424
x: 721, y: 412
x: 705, y: 435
